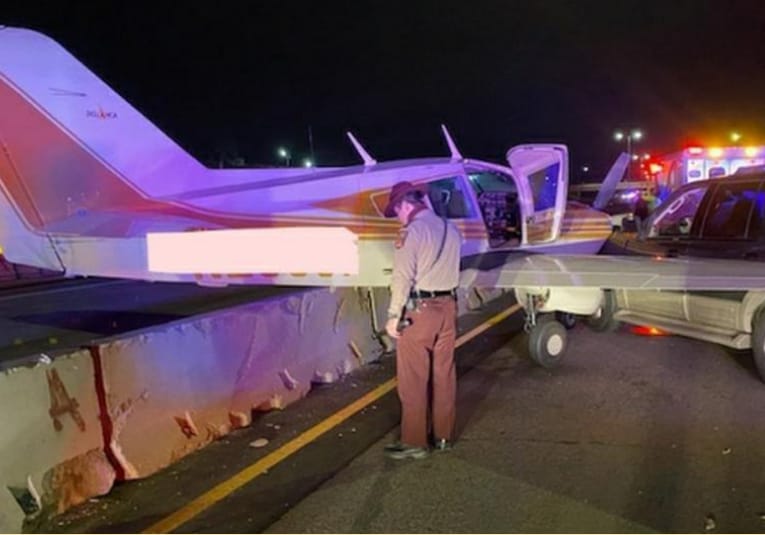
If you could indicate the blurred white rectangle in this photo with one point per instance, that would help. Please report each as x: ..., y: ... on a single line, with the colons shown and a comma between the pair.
x: 270, y: 250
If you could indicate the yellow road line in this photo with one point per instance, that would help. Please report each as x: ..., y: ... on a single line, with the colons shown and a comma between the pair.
x: 220, y: 491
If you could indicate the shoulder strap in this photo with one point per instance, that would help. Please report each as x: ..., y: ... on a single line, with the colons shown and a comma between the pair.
x: 440, y: 248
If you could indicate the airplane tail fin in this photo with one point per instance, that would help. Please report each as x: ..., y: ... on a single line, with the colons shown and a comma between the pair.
x: 68, y: 142
x: 612, y: 179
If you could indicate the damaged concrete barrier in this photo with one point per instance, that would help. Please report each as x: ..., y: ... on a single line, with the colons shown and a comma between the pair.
x: 51, y: 454
x: 134, y: 404
x: 188, y: 383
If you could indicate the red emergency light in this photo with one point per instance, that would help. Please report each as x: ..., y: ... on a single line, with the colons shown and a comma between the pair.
x: 655, y: 168
x: 645, y: 330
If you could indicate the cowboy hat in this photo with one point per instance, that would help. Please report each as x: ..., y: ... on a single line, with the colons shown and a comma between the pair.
x: 397, y: 194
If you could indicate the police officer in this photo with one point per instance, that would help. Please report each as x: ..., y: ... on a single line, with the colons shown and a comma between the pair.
x: 423, y: 294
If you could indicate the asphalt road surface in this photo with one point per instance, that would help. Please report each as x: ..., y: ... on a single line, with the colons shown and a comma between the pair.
x: 629, y: 434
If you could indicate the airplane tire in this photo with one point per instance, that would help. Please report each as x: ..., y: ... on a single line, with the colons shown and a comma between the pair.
x: 758, y: 343
x: 547, y: 343
x: 567, y: 319
x: 603, y: 319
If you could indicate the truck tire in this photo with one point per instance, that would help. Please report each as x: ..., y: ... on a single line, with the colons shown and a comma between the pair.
x: 603, y: 319
x: 758, y: 342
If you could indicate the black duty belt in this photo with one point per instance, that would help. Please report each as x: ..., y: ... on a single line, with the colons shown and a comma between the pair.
x: 425, y: 294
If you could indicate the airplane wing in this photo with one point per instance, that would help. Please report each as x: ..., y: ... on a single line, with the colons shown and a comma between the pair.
x: 622, y: 272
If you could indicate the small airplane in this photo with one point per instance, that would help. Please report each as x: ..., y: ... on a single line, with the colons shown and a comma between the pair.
x: 90, y: 187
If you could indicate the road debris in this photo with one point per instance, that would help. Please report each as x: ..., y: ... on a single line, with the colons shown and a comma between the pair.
x: 709, y: 522
x: 259, y: 443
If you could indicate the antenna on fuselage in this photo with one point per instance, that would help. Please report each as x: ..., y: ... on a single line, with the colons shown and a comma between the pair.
x: 452, y: 146
x: 368, y: 160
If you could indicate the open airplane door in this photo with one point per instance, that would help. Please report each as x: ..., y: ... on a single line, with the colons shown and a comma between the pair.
x: 544, y: 168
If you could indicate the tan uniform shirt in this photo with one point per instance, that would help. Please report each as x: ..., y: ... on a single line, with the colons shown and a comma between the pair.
x: 416, y: 250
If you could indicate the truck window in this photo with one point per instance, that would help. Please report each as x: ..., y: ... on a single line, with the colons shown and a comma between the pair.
x: 757, y: 222
x: 730, y: 210
x: 677, y: 216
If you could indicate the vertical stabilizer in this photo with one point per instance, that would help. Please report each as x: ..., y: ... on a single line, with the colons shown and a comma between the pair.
x: 69, y: 135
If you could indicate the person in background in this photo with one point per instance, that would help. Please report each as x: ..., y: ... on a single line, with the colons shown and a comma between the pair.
x: 644, y: 206
x: 426, y: 268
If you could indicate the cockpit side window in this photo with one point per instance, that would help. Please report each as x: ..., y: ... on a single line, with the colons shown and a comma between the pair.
x: 448, y: 198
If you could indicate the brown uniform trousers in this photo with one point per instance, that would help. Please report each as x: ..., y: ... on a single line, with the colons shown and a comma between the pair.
x: 432, y: 334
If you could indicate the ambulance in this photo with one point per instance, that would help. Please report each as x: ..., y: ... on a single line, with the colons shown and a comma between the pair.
x: 700, y: 163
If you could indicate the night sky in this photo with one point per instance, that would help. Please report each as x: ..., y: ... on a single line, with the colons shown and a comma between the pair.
x: 241, y: 78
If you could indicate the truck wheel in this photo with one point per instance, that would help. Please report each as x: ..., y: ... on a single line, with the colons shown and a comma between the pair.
x: 603, y: 318
x: 567, y: 319
x: 758, y: 343
x: 547, y: 343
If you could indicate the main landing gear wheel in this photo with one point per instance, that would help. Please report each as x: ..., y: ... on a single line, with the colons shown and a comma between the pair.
x: 547, y: 342
x: 567, y: 319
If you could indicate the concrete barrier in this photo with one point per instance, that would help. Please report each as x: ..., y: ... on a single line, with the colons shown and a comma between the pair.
x: 186, y: 384
x: 49, y: 417
x: 131, y: 405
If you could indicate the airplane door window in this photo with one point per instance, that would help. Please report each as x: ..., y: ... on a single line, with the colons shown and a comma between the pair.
x: 544, y: 185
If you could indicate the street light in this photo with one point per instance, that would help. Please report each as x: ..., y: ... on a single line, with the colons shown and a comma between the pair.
x: 735, y: 137
x: 307, y: 163
x: 634, y: 135
x: 284, y: 153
